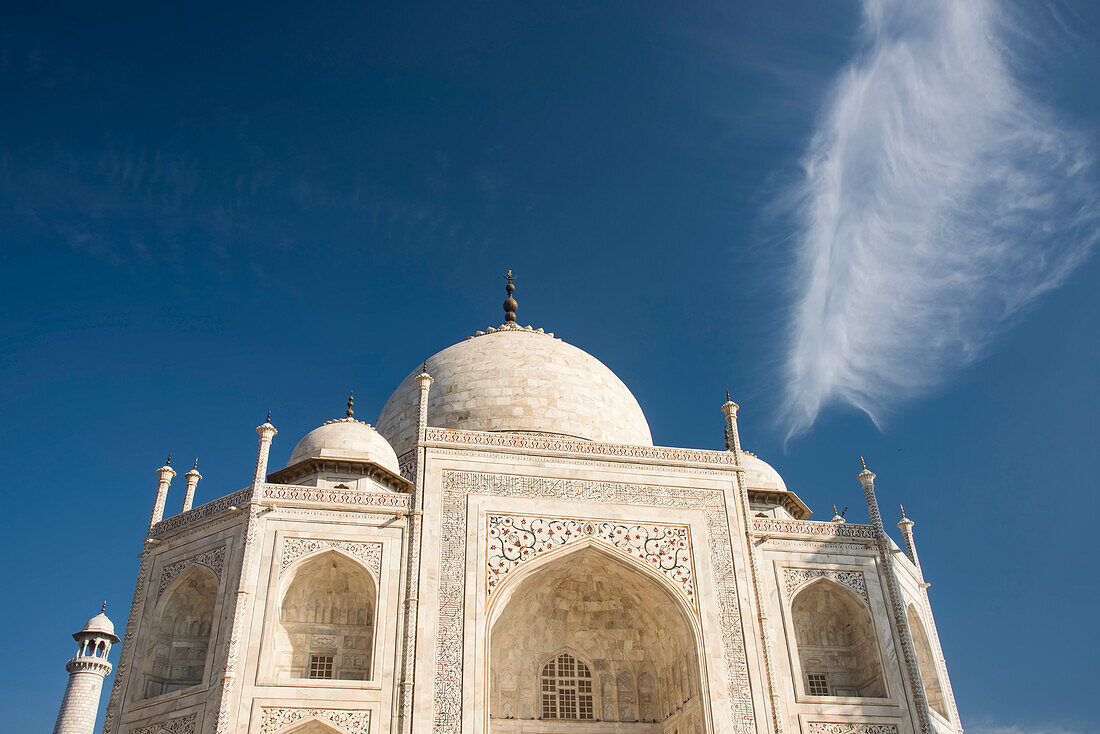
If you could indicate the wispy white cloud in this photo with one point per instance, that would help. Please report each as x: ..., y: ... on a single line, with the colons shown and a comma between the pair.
x: 938, y: 199
x: 988, y: 726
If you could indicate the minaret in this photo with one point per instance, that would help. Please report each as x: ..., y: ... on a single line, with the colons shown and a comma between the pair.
x: 192, y: 478
x: 87, y: 670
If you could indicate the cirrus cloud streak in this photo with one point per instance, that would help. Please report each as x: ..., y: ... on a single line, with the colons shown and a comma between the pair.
x: 938, y: 199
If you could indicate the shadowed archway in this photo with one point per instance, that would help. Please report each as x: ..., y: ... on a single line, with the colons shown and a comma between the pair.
x: 589, y: 636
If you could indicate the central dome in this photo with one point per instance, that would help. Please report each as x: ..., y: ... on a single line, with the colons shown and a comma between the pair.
x: 518, y: 380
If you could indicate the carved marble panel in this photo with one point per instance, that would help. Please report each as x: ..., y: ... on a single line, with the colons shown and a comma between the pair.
x: 274, y: 720
x: 369, y: 553
x: 849, y: 727
x: 516, y: 539
x: 182, y: 725
x: 794, y: 578
x: 212, y: 559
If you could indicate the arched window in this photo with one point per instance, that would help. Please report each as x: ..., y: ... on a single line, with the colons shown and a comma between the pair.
x: 926, y: 663
x: 836, y: 642
x: 326, y: 621
x: 180, y: 639
x: 567, y: 689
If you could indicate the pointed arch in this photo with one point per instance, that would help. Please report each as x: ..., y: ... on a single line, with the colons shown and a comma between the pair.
x: 182, y: 627
x: 312, y: 725
x: 629, y: 626
x: 326, y: 618
x: 926, y: 663
x: 837, y: 645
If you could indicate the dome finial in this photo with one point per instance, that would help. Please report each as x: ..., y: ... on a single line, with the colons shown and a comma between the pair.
x: 510, y: 305
x: 104, y: 609
x: 351, y: 402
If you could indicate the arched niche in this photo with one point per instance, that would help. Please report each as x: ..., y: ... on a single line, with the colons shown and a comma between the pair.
x: 325, y: 626
x: 926, y: 662
x: 621, y: 620
x: 183, y: 623
x: 837, y: 647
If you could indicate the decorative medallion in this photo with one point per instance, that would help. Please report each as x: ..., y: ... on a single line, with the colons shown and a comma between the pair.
x: 794, y: 578
x: 516, y: 539
x: 276, y: 719
x: 369, y: 553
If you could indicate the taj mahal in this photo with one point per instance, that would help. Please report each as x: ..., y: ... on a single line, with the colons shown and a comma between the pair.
x: 507, y: 552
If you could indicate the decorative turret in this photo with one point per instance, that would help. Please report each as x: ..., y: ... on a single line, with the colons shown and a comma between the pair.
x: 87, y: 670
x: 266, y: 432
x: 905, y: 525
x: 192, y: 478
x: 164, y: 479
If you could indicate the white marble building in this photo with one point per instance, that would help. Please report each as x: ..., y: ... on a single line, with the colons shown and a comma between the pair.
x: 507, y: 552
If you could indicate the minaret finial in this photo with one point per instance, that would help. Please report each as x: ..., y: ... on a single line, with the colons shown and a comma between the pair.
x: 424, y: 368
x: 351, y: 402
x: 169, y: 462
x: 268, y: 418
x: 196, y: 466
x: 728, y: 399
x: 864, y: 463
x: 902, y: 511
x: 510, y: 305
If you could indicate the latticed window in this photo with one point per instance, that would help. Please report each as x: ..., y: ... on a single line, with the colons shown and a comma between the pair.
x: 817, y: 684
x: 567, y: 689
x: 320, y: 666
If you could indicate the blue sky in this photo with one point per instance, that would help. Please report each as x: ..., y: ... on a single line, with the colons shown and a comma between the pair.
x: 873, y: 224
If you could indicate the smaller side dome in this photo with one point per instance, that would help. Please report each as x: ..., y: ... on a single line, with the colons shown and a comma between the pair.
x: 759, y: 474
x: 99, y: 625
x: 345, y: 438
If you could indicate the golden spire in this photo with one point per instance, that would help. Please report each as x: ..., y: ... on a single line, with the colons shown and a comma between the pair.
x: 104, y: 609
x: 268, y: 418
x: 169, y: 462
x: 510, y: 305
x: 196, y: 466
x: 861, y: 461
x: 902, y: 511
x: 351, y: 402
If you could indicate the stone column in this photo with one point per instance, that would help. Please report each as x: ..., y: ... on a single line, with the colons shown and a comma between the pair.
x: 897, y: 604
x: 87, y: 669
x: 412, y: 563
x: 192, y: 478
x: 164, y: 479
x: 733, y: 443
x: 242, y: 600
x: 905, y: 525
